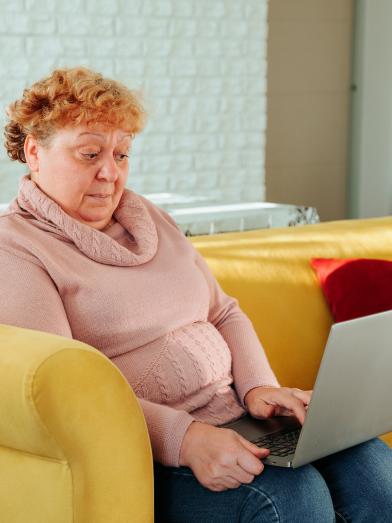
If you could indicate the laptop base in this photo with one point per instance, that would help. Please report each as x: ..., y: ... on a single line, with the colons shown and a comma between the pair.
x: 255, y: 430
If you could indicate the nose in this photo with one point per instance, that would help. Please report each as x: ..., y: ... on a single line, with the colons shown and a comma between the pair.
x: 108, y: 171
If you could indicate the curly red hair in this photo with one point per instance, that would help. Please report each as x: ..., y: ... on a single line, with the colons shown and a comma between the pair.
x: 70, y: 96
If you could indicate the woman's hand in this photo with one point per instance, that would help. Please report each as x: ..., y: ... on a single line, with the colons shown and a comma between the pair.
x: 220, y: 458
x: 265, y: 402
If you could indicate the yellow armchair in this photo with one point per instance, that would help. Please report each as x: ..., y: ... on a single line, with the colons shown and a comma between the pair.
x: 73, y: 441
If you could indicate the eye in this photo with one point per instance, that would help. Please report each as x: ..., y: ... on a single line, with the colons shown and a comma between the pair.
x: 90, y: 156
x: 121, y: 157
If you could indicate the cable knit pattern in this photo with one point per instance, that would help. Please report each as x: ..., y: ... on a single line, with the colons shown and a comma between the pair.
x: 189, y: 370
x: 130, y: 213
x: 189, y: 365
x: 140, y: 293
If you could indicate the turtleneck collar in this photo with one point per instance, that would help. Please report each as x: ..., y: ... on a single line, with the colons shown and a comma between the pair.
x: 131, y: 213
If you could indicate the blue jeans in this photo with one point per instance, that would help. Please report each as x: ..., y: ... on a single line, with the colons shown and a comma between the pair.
x: 354, y: 485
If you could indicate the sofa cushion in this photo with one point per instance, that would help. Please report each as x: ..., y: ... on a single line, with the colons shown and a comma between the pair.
x: 355, y: 287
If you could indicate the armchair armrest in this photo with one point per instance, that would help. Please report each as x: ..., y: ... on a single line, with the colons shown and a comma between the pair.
x: 64, y: 401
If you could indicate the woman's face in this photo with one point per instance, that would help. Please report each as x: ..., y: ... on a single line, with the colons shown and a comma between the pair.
x: 84, y: 169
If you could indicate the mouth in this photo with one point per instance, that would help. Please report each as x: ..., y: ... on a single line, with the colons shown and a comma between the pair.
x: 100, y: 196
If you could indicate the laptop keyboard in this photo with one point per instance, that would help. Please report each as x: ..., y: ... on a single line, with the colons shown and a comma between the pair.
x: 280, y: 444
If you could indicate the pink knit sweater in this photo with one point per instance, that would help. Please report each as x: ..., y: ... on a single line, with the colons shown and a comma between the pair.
x: 140, y: 293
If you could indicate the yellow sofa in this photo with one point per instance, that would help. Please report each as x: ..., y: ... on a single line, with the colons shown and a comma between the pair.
x: 73, y: 441
x: 269, y: 272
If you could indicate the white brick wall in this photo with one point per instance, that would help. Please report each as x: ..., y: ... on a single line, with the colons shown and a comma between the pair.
x: 200, y: 63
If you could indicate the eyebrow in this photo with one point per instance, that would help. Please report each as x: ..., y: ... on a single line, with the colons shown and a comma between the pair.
x: 102, y: 136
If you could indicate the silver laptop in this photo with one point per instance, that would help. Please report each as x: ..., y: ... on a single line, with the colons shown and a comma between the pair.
x: 351, y: 400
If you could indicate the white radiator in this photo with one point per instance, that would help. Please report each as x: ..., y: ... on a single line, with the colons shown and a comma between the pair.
x: 195, y: 216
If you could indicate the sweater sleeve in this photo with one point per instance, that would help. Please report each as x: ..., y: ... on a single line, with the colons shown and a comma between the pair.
x: 29, y: 297
x: 166, y: 427
x: 250, y: 364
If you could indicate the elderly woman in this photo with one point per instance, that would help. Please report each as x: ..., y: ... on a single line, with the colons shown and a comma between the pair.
x: 84, y: 257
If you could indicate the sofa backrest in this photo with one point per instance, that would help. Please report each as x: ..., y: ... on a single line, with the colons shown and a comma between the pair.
x: 269, y: 272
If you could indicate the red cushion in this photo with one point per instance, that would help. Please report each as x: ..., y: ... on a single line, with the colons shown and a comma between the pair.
x: 355, y: 287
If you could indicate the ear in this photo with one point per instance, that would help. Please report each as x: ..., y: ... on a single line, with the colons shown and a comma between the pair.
x: 31, y: 153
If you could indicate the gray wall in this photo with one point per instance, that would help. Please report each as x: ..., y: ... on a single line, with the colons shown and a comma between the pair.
x: 371, y: 153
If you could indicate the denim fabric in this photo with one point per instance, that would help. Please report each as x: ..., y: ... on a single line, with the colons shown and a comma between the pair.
x: 352, y: 486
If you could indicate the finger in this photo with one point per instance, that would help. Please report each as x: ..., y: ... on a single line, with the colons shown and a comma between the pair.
x: 303, y: 395
x: 261, y: 409
x: 259, y: 452
x: 216, y: 487
x: 296, y: 406
x: 250, y: 463
x: 224, y: 483
x: 282, y: 411
x: 286, y: 412
x: 230, y: 482
x: 241, y: 475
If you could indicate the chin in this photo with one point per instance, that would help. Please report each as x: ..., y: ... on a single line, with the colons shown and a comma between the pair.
x: 96, y: 218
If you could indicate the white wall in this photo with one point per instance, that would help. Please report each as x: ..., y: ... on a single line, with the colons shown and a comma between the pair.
x: 371, y: 154
x: 201, y: 63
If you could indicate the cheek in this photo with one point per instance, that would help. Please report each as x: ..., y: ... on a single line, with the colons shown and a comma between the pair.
x: 73, y: 187
x: 64, y: 179
x: 121, y: 180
